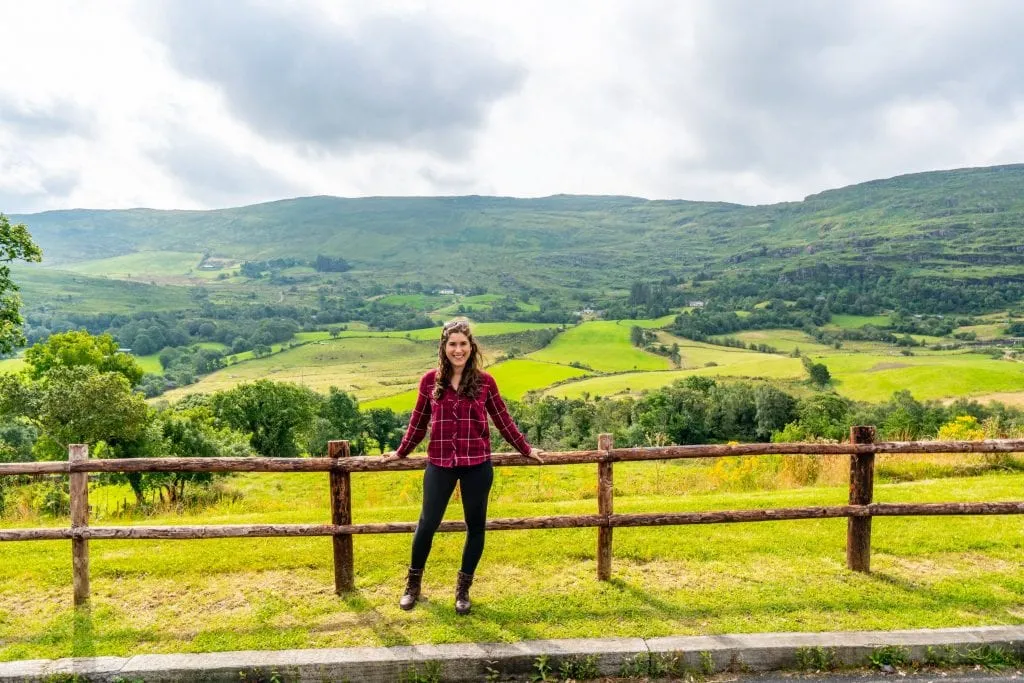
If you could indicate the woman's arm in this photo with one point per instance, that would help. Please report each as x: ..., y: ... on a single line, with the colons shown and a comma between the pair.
x: 420, y: 419
x: 503, y: 421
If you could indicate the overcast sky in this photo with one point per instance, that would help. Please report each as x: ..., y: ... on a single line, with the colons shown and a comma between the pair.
x: 207, y: 103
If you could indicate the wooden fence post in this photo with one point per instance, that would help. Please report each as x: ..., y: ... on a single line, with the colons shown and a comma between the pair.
x: 605, y: 500
x: 862, y: 484
x: 79, y: 490
x: 341, y: 513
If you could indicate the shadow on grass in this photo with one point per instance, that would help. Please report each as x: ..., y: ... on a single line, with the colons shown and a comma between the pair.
x: 83, y: 635
x: 368, y: 615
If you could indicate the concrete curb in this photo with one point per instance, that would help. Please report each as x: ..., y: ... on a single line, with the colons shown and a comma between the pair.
x: 503, y: 661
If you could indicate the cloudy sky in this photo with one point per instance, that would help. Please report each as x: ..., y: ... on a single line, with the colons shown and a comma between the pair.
x: 211, y: 103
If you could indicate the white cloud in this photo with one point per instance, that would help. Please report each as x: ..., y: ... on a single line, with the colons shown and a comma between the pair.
x: 109, y: 105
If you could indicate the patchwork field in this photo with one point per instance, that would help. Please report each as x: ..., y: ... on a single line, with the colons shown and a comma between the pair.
x: 514, y: 378
x: 752, y: 366
x: 785, y: 341
x: 602, y: 345
x: 369, y: 367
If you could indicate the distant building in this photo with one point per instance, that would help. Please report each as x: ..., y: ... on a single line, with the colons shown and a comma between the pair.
x: 695, y: 304
x: 446, y: 291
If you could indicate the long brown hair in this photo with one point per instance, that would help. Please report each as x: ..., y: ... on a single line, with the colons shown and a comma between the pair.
x: 472, y: 379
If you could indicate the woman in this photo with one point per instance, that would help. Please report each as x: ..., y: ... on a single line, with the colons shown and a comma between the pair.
x: 454, y: 400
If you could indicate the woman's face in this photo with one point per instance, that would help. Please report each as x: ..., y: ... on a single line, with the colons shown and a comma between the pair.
x: 457, y: 349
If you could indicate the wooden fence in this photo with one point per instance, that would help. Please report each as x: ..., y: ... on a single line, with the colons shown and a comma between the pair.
x: 859, y: 512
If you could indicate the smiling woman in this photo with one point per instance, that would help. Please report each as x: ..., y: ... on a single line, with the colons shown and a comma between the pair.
x: 454, y: 401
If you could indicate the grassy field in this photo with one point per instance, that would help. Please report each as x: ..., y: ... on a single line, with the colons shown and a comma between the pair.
x: 150, y: 363
x: 784, y: 340
x: 869, y: 377
x: 62, y: 290
x: 12, y: 364
x: 514, y: 378
x: 852, y: 321
x: 602, y: 345
x: 142, y: 265
x: 650, y: 323
x: 986, y: 331
x: 752, y: 366
x: 217, y: 595
x: 369, y: 367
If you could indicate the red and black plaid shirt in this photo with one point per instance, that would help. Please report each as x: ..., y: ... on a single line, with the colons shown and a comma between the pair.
x: 458, y: 425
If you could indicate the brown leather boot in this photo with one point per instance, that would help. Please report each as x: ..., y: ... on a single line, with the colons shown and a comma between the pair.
x: 412, y: 589
x: 462, y: 604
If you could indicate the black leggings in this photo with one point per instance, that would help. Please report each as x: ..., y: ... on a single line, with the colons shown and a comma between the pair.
x: 438, y: 485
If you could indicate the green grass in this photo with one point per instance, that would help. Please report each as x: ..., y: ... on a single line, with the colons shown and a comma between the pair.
x: 12, y: 364
x: 368, y: 367
x: 875, y: 377
x: 235, y: 594
x: 853, y: 321
x: 514, y: 378
x: 142, y: 265
x: 422, y: 302
x: 783, y: 340
x: 150, y: 363
x: 754, y: 366
x: 650, y: 323
x: 987, y: 331
x: 602, y: 345
x: 64, y: 291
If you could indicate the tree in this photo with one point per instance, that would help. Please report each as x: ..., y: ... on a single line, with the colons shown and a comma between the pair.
x: 273, y: 413
x: 192, y: 433
x: 79, y: 348
x: 774, y: 410
x: 384, y: 427
x: 817, y: 373
x: 75, y: 404
x: 15, y: 245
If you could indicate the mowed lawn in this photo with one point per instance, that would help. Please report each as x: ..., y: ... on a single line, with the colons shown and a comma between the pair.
x: 602, y: 345
x: 234, y: 594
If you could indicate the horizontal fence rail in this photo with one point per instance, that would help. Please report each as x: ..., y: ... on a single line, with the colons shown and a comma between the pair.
x: 374, y: 464
x: 339, y: 465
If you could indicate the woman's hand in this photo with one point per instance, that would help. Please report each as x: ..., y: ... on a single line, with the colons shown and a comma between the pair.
x: 390, y: 456
x: 535, y: 454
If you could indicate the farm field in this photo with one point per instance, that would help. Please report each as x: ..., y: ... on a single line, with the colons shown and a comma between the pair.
x: 752, y: 366
x: 650, y: 323
x: 602, y: 345
x: 87, y: 294
x: 235, y: 594
x: 514, y: 378
x: 142, y: 265
x: 785, y: 341
x: 854, y: 321
x: 867, y: 377
x: 368, y: 367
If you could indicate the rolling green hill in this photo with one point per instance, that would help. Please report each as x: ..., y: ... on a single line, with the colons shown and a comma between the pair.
x: 960, y: 225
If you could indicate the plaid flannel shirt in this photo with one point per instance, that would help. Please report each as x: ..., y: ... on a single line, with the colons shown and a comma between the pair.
x: 459, y: 435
